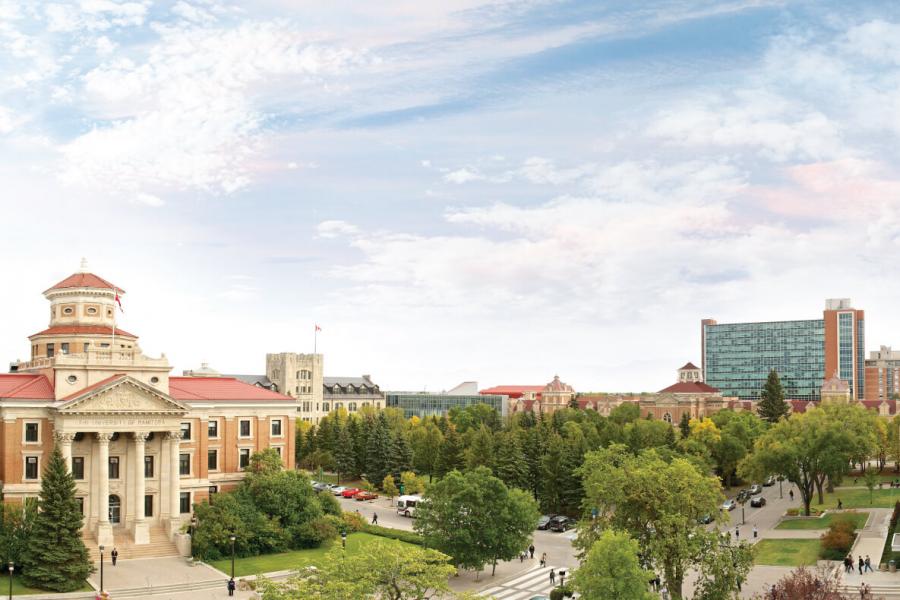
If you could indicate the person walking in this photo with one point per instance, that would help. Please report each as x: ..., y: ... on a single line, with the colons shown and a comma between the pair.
x: 846, y: 564
x: 862, y: 565
x: 664, y: 593
x: 552, y: 577
x: 755, y: 532
x: 737, y: 532
x: 531, y: 550
x: 543, y: 560
x: 791, y: 494
x: 840, y: 504
x: 562, y: 577
x: 374, y: 518
x: 231, y: 587
x: 115, y: 555
x: 850, y: 563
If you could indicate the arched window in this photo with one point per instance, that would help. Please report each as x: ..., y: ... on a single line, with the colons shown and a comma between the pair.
x: 667, y: 418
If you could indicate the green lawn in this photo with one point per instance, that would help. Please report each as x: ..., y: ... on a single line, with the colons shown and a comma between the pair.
x: 787, y: 553
x: 253, y: 565
x: 859, y: 498
x: 20, y: 589
x: 789, y: 523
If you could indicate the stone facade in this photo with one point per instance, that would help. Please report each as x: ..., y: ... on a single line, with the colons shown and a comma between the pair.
x: 299, y: 376
x: 143, y: 446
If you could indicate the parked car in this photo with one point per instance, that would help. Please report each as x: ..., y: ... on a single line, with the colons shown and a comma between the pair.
x: 770, y: 481
x: 755, y: 489
x: 560, y: 523
x: 366, y: 496
x: 705, y: 519
x: 729, y: 505
x: 757, y: 501
x: 544, y: 521
x: 350, y: 492
x: 742, y: 496
x: 338, y: 490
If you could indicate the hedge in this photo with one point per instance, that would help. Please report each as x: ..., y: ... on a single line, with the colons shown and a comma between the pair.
x: 410, y: 537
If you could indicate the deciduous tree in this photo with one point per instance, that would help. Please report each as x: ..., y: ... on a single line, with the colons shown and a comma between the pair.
x: 611, y: 569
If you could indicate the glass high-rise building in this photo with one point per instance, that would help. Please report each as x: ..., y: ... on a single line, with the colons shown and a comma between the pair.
x: 737, y: 357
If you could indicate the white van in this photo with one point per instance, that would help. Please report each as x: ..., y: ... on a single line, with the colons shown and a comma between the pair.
x: 406, y: 505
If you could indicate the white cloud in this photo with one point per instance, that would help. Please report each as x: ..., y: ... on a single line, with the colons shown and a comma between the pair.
x: 104, y: 45
x: 333, y: 229
x: 149, y: 200
x: 94, y: 15
x: 7, y: 120
x: 463, y: 176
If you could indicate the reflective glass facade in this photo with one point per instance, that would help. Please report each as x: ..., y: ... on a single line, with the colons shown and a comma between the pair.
x: 422, y: 404
x: 738, y: 357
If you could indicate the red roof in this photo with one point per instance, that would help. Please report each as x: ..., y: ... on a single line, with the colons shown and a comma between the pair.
x: 193, y: 389
x: 25, y: 385
x: 85, y: 280
x: 689, y: 387
x: 690, y: 366
x: 83, y: 330
x: 800, y: 406
x: 513, y: 391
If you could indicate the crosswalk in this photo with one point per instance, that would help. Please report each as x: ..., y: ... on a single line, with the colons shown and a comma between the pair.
x: 536, y: 582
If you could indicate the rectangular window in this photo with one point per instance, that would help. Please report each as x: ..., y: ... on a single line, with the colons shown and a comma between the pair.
x: 245, y: 428
x: 51, y: 350
x: 64, y: 348
x: 244, y: 458
x: 31, y: 467
x: 185, y: 502
x: 31, y: 432
x: 113, y: 467
x: 78, y: 467
x: 148, y: 466
x: 186, y: 431
x: 213, y: 431
x: 148, y: 505
x: 184, y: 464
x: 277, y: 449
x: 213, y: 489
x: 87, y: 346
x: 80, y: 502
x: 212, y: 460
x: 276, y: 427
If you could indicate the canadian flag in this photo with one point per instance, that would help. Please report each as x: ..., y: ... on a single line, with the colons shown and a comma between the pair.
x: 318, y: 328
x: 119, y: 301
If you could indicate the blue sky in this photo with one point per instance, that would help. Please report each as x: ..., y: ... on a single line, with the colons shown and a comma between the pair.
x: 472, y: 190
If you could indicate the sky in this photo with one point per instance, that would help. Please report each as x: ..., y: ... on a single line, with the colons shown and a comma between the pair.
x: 489, y: 190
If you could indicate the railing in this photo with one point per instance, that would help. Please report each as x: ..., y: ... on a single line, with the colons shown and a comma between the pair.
x: 112, y: 357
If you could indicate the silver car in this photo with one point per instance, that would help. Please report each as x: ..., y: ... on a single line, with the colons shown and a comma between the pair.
x: 729, y: 505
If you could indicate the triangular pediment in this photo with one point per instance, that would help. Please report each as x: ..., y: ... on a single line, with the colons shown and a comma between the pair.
x: 123, y: 395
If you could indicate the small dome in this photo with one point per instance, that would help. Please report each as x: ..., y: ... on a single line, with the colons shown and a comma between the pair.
x: 558, y: 386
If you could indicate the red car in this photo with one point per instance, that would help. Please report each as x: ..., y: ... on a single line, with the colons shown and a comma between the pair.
x: 350, y: 492
x: 366, y: 496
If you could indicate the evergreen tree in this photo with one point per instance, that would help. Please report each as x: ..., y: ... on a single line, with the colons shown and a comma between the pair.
x: 359, y: 433
x: 573, y: 403
x: 685, y: 426
x: 670, y: 437
x: 533, y: 448
x: 451, y: 456
x: 345, y: 459
x: 56, y: 558
x: 552, y: 475
x: 310, y: 446
x: 480, y: 451
x: 378, y: 449
x: 400, y: 458
x: 772, y: 406
x: 510, y: 465
x: 326, y: 437
x: 571, y: 491
x: 444, y: 424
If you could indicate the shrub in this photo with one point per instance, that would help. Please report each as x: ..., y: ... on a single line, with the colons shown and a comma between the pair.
x: 313, y: 533
x: 329, y: 504
x: 409, y: 537
x: 353, y: 522
x: 836, y: 542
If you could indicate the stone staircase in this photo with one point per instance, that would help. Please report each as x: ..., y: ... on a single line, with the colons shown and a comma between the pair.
x: 159, y: 547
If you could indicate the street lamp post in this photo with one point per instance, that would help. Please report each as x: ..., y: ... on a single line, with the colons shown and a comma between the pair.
x: 780, y: 494
x: 12, y: 567
x: 101, y: 569
x: 232, y: 538
x: 344, y: 540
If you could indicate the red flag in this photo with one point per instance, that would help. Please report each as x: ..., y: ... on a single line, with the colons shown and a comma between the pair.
x: 119, y: 301
x: 318, y: 328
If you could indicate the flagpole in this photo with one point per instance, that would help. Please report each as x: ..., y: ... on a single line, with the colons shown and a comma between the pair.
x: 315, y: 337
x: 113, y: 349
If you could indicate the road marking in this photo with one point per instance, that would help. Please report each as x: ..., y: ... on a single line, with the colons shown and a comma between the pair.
x: 535, y: 582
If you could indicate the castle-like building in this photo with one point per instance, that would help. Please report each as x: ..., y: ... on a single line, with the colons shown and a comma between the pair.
x: 143, y: 446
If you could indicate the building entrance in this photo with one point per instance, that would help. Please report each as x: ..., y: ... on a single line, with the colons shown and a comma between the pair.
x: 115, y: 510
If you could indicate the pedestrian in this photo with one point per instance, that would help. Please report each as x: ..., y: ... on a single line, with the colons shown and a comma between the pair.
x: 562, y: 577
x: 791, y: 494
x: 737, y: 532
x: 114, y: 555
x: 664, y: 593
x: 850, y: 563
x: 374, y: 518
x: 231, y: 587
x: 840, y: 504
x: 846, y: 565
x: 755, y: 532
x: 543, y: 560
x: 522, y: 556
x: 862, y: 565
x: 552, y: 577
x: 531, y: 550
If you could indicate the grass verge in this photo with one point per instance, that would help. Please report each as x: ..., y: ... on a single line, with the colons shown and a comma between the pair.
x: 859, y: 520
x: 787, y: 552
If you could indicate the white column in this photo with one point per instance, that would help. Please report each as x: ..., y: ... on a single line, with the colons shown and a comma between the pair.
x: 174, y: 438
x: 65, y: 446
x: 104, y: 529
x: 141, y: 528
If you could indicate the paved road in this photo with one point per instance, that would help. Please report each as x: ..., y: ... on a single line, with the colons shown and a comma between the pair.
x: 536, y: 581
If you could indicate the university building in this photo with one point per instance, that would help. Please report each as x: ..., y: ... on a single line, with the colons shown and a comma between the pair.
x: 143, y: 446
x: 737, y: 357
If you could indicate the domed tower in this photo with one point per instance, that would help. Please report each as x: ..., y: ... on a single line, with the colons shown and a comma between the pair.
x: 83, y: 344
